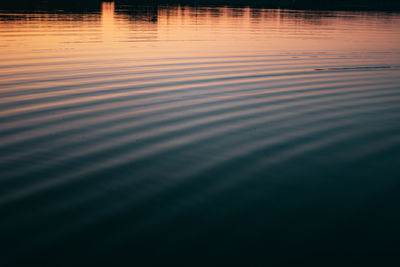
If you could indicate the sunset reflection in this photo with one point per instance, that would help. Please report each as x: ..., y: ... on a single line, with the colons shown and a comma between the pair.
x: 107, y: 20
x: 213, y: 30
x: 176, y: 135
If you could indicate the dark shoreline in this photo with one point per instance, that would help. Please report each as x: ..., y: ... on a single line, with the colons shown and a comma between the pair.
x: 93, y: 5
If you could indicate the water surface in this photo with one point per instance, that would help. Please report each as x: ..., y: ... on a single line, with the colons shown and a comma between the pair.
x: 135, y: 136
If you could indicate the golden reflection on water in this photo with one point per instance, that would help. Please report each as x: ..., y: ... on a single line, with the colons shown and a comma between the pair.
x: 60, y: 49
x: 171, y: 109
x: 149, y: 32
x: 107, y: 20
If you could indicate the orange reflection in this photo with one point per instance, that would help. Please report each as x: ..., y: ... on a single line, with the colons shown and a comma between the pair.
x: 107, y: 20
x: 179, y: 32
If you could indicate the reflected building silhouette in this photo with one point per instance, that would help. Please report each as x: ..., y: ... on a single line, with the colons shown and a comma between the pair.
x: 143, y: 12
x: 152, y: 12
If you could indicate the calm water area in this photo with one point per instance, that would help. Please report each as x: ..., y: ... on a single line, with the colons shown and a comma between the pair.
x: 199, y: 136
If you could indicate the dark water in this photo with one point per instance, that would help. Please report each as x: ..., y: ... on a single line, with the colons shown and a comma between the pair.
x: 139, y: 136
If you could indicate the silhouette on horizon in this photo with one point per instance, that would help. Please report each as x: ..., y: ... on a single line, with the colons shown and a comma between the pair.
x: 74, y: 5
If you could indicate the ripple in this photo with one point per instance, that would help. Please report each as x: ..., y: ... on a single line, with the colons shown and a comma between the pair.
x: 123, y: 130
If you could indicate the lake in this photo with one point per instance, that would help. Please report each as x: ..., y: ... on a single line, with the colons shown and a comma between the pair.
x: 199, y: 136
